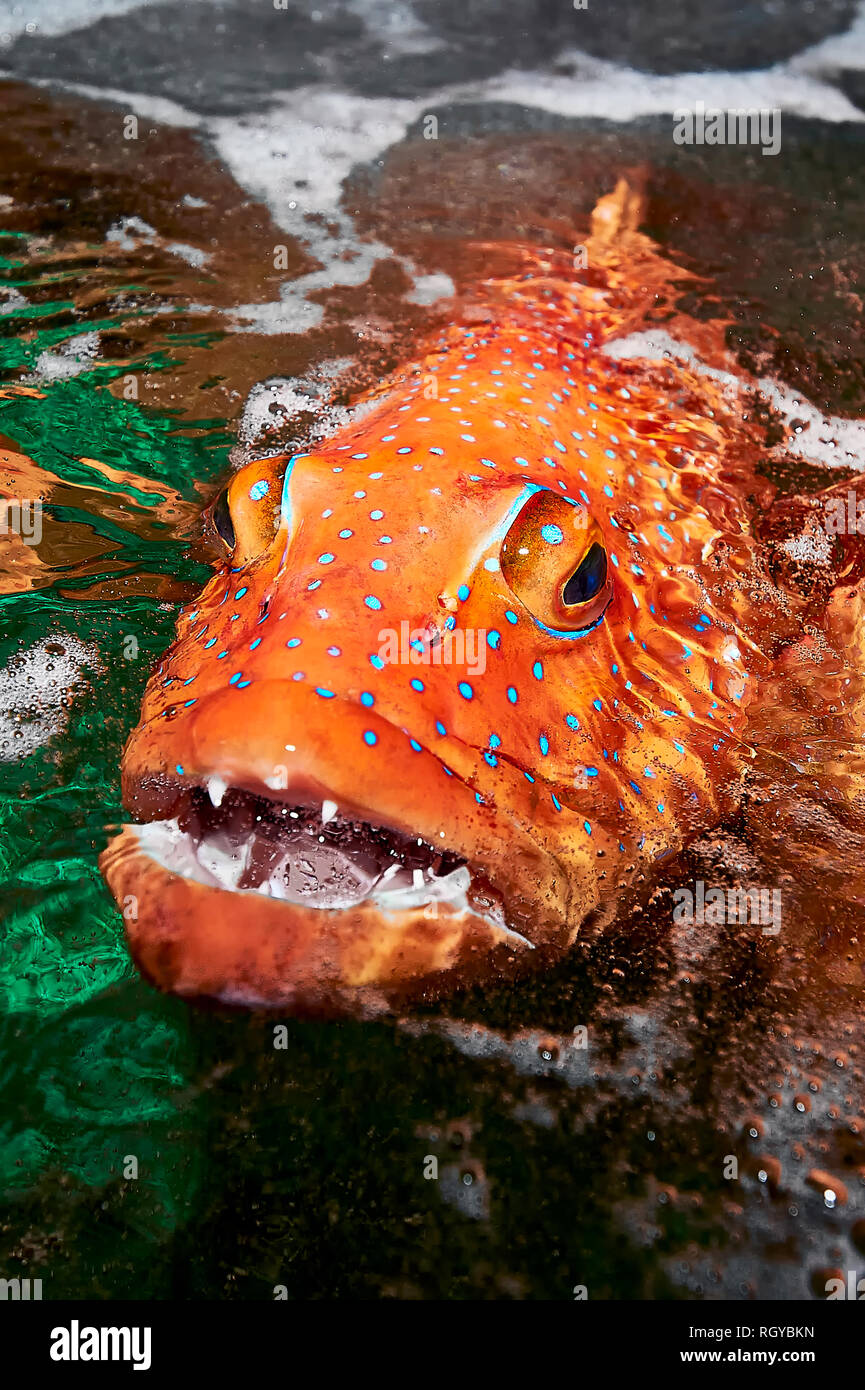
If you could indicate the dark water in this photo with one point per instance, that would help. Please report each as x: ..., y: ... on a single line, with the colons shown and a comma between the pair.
x: 123, y: 378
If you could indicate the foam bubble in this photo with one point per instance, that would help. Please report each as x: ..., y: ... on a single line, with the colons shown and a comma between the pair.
x: 35, y: 687
x: 72, y: 357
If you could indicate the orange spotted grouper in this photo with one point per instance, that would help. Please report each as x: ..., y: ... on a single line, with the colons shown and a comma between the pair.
x: 470, y: 667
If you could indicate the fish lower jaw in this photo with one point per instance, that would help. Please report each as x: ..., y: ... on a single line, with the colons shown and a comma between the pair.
x: 311, y: 854
x: 303, y: 876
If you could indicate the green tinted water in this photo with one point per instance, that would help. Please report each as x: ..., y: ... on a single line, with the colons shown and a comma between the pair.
x: 91, y: 1060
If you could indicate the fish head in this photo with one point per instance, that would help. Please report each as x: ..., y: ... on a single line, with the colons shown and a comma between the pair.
x: 454, y: 685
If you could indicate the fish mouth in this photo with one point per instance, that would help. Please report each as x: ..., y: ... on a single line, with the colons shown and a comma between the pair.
x: 309, y: 854
x: 282, y: 898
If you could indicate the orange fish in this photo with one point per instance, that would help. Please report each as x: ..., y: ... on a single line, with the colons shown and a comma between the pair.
x: 469, y: 669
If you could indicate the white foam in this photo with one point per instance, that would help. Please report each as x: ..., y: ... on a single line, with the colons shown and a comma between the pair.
x: 273, y: 403
x: 845, y: 50
x: 315, y: 135
x: 50, y: 17
x: 193, y: 255
x: 12, y: 299
x: 812, y: 547
x: 608, y: 91
x: 130, y: 230
x: 427, y: 289
x: 827, y: 441
x: 149, y: 107
x: 396, y: 26
x: 35, y: 689
x: 294, y: 157
x: 72, y: 357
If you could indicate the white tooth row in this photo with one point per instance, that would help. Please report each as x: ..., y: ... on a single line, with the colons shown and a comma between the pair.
x: 218, y: 863
x: 217, y: 787
x: 450, y: 888
x: 175, y: 850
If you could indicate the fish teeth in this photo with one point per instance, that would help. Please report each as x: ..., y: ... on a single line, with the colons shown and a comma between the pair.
x: 397, y: 897
x: 216, y: 789
x: 328, y: 811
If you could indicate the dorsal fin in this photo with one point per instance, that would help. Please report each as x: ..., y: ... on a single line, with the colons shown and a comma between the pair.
x: 616, y: 216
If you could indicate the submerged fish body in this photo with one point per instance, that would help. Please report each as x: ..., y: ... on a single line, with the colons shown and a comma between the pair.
x: 472, y: 666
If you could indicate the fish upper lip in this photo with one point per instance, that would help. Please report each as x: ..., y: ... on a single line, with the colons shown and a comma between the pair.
x: 216, y: 748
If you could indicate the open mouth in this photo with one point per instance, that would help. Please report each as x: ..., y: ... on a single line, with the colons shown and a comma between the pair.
x: 314, y: 856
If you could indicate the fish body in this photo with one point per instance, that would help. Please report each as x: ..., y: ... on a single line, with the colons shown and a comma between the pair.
x: 470, y: 668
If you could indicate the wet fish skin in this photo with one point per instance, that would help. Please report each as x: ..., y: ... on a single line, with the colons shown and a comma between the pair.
x: 460, y: 499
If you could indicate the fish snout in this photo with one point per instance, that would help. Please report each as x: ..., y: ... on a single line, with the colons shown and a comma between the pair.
x: 287, y: 859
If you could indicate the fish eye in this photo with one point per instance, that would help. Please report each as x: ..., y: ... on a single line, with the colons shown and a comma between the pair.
x: 588, y: 578
x: 554, y: 560
x: 223, y: 525
x: 244, y: 516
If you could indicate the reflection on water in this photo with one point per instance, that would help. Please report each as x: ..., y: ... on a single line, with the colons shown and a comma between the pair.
x: 582, y: 1123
